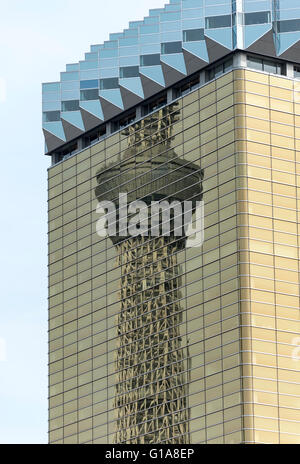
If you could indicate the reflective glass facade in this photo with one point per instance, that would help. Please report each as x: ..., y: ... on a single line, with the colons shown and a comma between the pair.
x: 154, y: 342
x: 166, y: 46
x: 268, y: 123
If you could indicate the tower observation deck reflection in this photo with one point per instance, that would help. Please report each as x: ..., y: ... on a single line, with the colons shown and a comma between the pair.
x: 151, y: 362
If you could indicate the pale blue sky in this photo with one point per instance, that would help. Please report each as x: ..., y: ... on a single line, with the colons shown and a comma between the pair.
x: 37, y: 39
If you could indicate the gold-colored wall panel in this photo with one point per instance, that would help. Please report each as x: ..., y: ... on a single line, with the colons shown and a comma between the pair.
x: 239, y: 292
x: 270, y: 264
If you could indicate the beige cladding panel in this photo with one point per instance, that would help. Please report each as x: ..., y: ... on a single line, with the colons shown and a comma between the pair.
x: 234, y: 337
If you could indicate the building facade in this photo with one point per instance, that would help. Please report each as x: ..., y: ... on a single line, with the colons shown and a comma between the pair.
x: 152, y: 340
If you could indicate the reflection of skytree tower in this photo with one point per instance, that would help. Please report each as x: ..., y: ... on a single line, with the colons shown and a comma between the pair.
x: 151, y: 385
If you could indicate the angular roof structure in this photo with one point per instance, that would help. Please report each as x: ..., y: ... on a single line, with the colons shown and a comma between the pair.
x: 166, y: 46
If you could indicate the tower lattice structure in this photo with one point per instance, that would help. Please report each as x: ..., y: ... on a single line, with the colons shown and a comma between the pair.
x: 151, y: 386
x: 151, y: 362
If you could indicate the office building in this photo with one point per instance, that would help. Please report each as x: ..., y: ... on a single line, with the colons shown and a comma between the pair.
x: 152, y: 340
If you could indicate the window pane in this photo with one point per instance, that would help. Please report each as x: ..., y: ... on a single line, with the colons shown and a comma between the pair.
x: 109, y: 83
x: 297, y: 72
x: 289, y: 25
x: 228, y: 65
x: 270, y: 66
x: 129, y: 71
x: 71, y: 105
x: 193, y: 35
x: 51, y: 116
x: 260, y: 17
x: 219, y: 70
x: 150, y: 60
x: 154, y: 105
x: 214, y: 22
x: 92, y: 94
x: 171, y: 47
x: 91, y: 84
x: 255, y: 63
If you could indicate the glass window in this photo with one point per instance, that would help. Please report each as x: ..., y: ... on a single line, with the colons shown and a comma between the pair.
x: 119, y: 124
x: 218, y: 70
x: 193, y: 35
x: 154, y: 104
x: 255, y: 63
x: 51, y: 116
x: 214, y: 22
x: 70, y: 105
x: 91, y: 94
x: 68, y: 152
x: 280, y: 69
x: 260, y: 17
x: 228, y: 65
x: 129, y: 71
x: 186, y: 88
x: 95, y: 136
x: 91, y: 84
x: 289, y: 25
x: 297, y: 72
x: 109, y: 83
x: 270, y: 66
x: 171, y: 47
x: 150, y: 60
